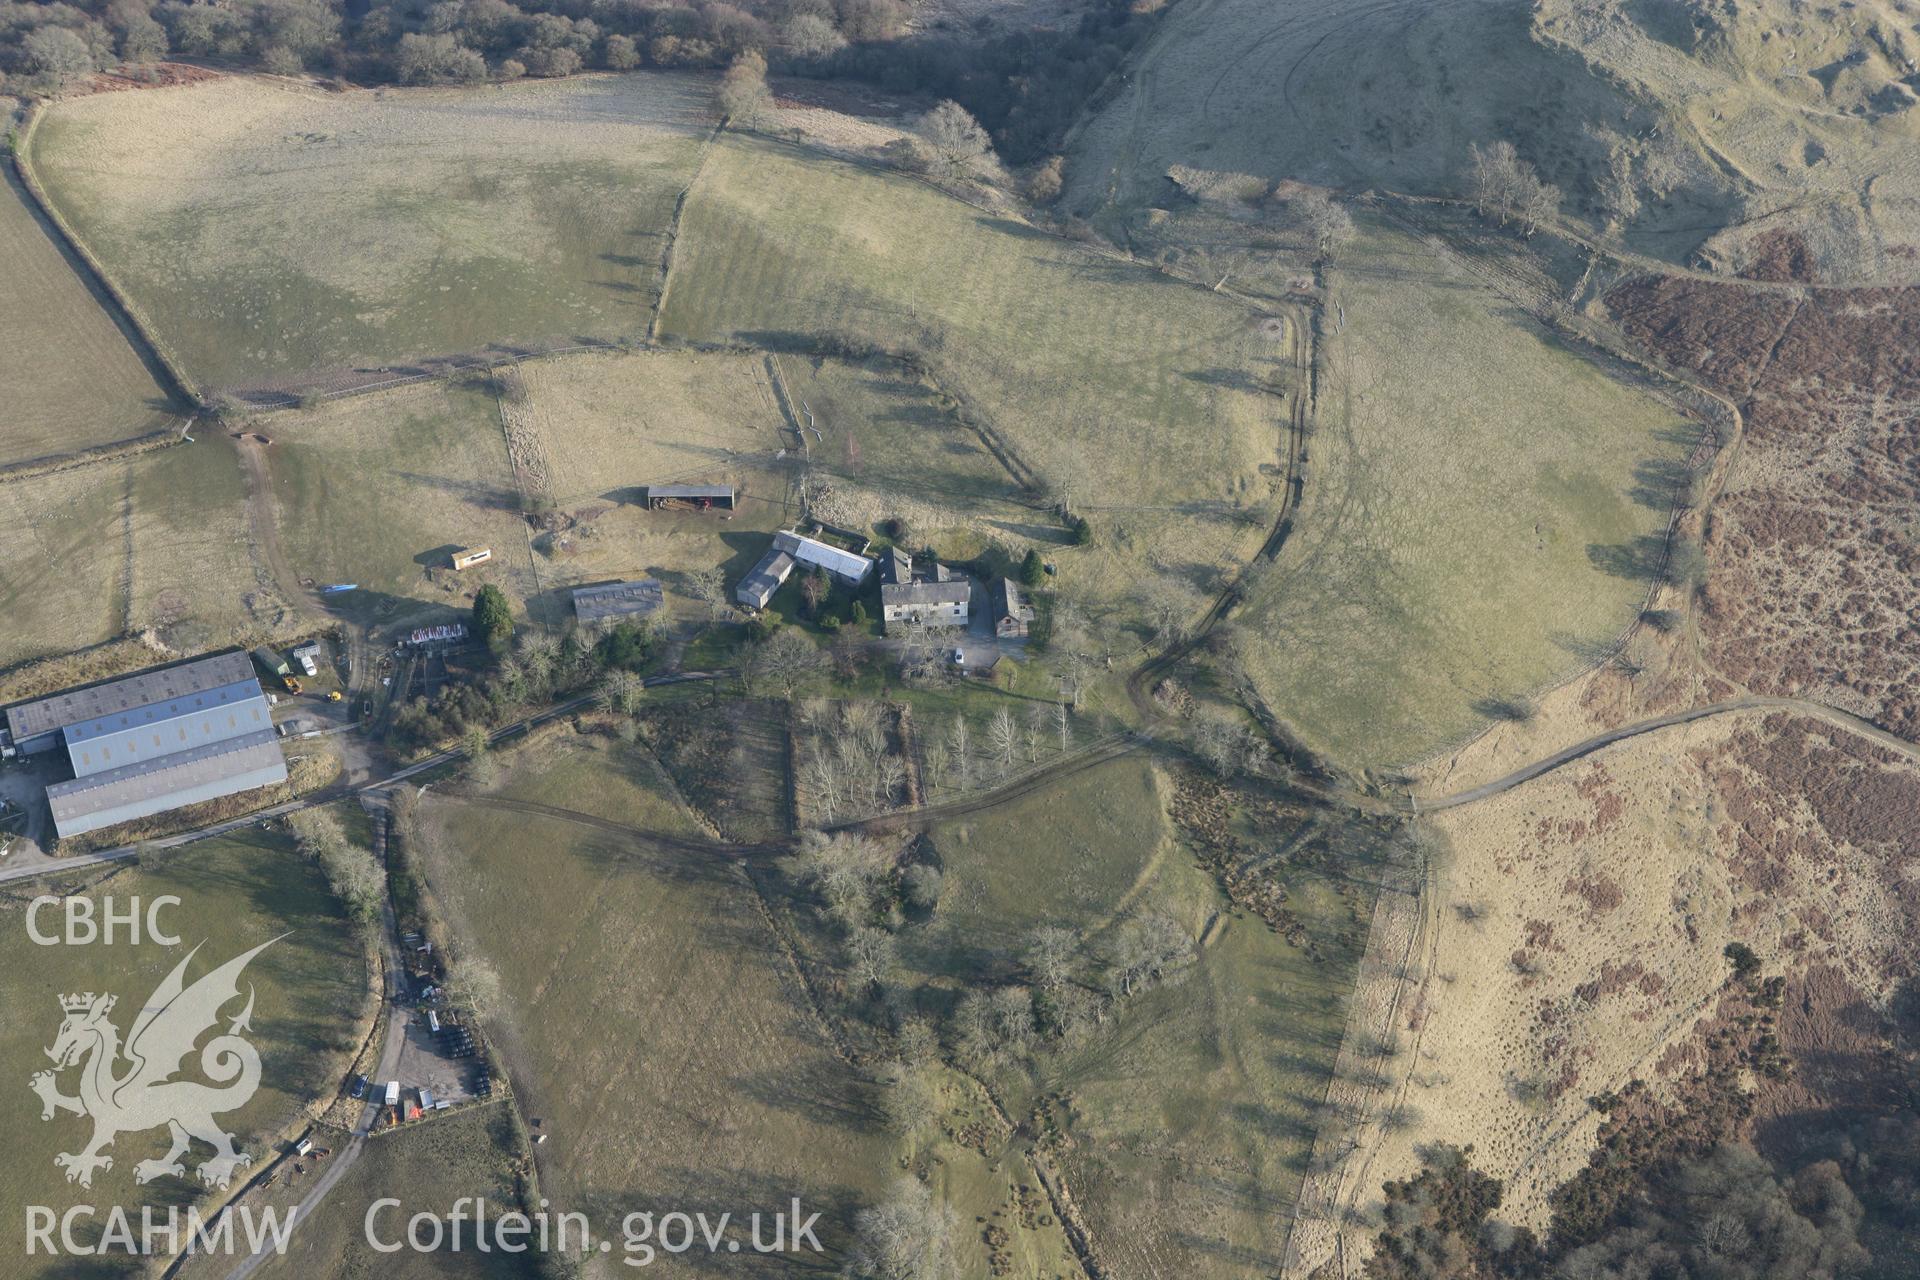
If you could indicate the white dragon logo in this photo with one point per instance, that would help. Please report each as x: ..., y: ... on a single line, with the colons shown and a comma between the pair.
x: 146, y: 1096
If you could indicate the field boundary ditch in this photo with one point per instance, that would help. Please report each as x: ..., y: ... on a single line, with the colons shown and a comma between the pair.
x: 664, y: 274
x: 93, y: 455
x: 134, y: 326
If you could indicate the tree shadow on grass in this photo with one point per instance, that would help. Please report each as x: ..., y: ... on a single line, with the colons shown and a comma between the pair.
x: 820, y: 1090
x: 1639, y: 560
x: 1659, y: 483
x: 486, y: 496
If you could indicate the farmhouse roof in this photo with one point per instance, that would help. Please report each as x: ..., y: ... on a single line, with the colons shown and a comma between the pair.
x: 167, y: 782
x: 895, y: 566
x: 50, y: 714
x: 957, y: 591
x: 689, y: 491
x: 813, y: 552
x: 617, y: 599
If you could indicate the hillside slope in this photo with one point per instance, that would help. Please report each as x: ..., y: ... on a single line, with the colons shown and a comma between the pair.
x: 1690, y: 130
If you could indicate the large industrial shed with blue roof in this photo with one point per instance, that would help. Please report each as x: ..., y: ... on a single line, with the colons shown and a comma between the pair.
x: 153, y: 741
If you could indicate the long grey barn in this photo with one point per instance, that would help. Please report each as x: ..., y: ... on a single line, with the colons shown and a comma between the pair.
x: 618, y: 599
x: 35, y: 726
x: 154, y: 741
x: 166, y: 782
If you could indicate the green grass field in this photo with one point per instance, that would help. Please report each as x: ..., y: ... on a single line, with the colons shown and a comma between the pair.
x: 651, y: 1023
x: 666, y: 1046
x: 1193, y: 1113
x: 68, y: 377
x: 426, y: 1167
x: 378, y: 490
x: 271, y: 231
x: 883, y: 429
x: 157, y: 540
x: 1071, y: 855
x: 192, y: 573
x: 1107, y: 379
x: 62, y: 590
x: 595, y: 775
x: 235, y: 894
x: 1474, y: 499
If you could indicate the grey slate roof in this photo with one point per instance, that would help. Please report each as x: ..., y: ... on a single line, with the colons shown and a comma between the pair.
x: 954, y: 591
x: 689, y: 491
x: 895, y: 566
x: 167, y: 782
x: 48, y: 715
x: 617, y: 599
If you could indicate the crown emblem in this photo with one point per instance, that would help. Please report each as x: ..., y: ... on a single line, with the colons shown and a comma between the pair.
x: 82, y: 1003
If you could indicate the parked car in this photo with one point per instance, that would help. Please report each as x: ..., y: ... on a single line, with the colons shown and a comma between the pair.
x: 359, y: 1089
x: 959, y: 657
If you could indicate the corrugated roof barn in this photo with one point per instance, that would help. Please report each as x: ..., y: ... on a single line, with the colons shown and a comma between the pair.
x: 817, y: 554
x: 166, y: 782
x: 617, y: 600
x: 758, y: 586
x: 716, y: 494
x: 36, y: 725
x: 179, y: 724
x: 154, y: 741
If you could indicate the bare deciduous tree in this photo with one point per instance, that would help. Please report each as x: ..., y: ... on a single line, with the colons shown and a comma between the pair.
x: 959, y: 143
x: 960, y: 743
x: 1505, y: 188
x: 1144, y: 949
x: 709, y: 587
x: 1049, y: 956
x: 1037, y: 717
x: 889, y: 776
x: 783, y: 662
x: 1012, y: 1018
x: 938, y: 758
x: 743, y: 94
x: 482, y: 769
x: 351, y: 872
x: 847, y: 869
x: 909, y: 1101
x: 822, y: 780
x: 870, y: 954
x: 1002, y: 738
x: 1228, y: 747
x: 476, y: 982
x: 908, y: 1236
x: 620, y: 691
x: 1327, y: 221
x: 917, y: 1043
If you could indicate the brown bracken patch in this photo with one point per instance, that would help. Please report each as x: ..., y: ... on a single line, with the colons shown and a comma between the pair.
x: 159, y: 75
x: 1813, y: 585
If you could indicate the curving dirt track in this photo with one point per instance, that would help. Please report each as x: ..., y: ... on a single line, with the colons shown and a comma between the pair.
x: 1755, y: 702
